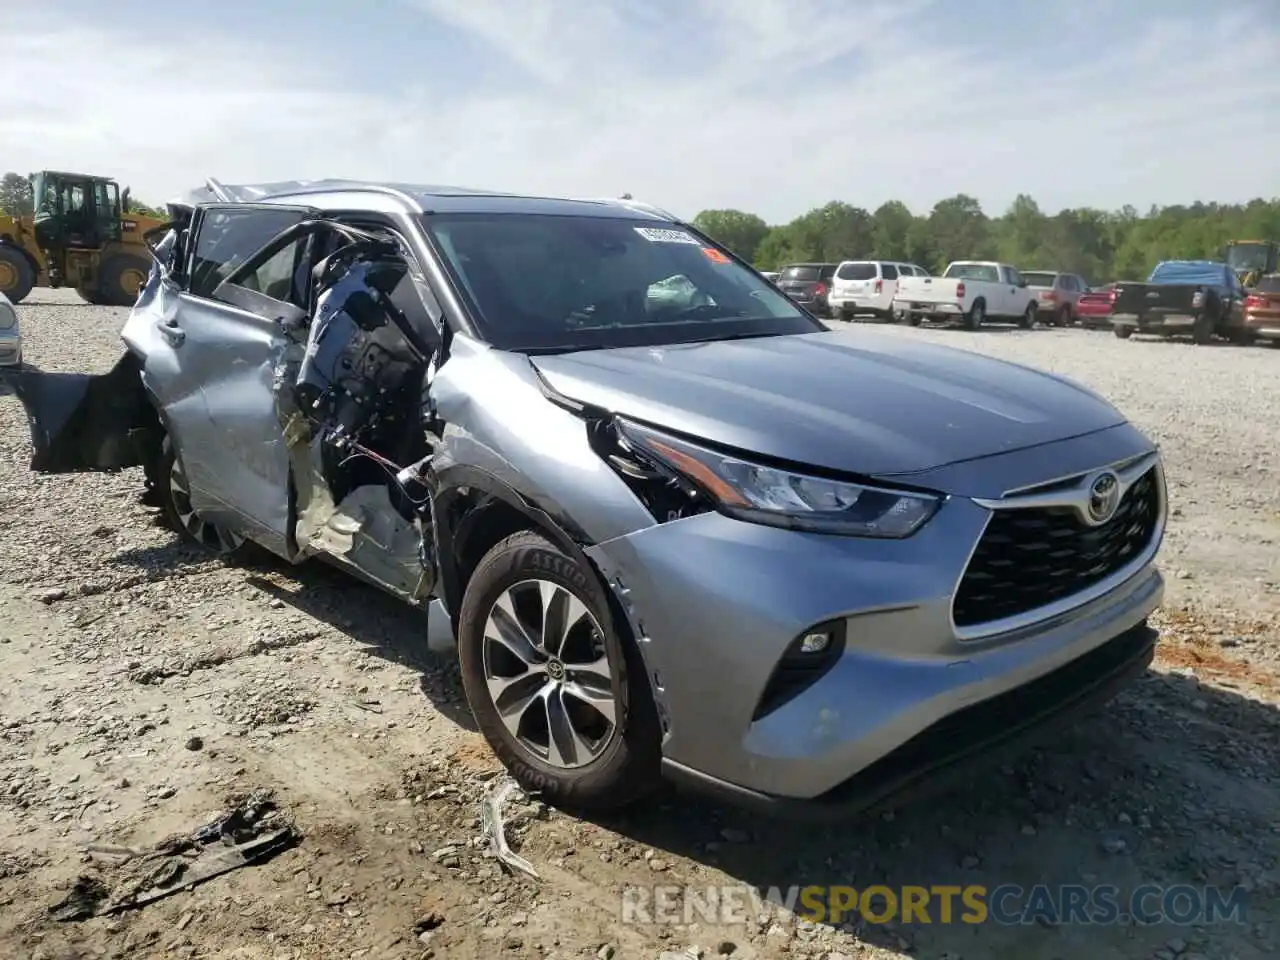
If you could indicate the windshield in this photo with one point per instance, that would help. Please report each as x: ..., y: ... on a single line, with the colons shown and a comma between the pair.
x: 973, y: 271
x: 1040, y: 279
x: 544, y: 283
x: 1248, y: 256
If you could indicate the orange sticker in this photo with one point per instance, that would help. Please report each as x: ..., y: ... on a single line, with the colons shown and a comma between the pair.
x: 714, y: 255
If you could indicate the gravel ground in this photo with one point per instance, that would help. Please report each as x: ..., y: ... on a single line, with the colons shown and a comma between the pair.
x: 142, y: 686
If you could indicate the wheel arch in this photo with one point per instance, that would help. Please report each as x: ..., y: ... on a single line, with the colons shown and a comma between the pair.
x: 472, y: 510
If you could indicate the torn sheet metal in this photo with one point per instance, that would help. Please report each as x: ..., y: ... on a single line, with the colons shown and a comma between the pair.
x: 366, y: 530
x: 252, y: 831
x: 83, y: 421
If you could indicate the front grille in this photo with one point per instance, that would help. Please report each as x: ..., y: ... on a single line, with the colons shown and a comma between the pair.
x: 1031, y: 557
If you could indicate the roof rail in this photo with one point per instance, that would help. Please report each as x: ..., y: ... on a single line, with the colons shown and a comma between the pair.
x: 628, y: 202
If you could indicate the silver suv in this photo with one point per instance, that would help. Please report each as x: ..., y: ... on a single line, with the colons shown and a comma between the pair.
x: 674, y: 523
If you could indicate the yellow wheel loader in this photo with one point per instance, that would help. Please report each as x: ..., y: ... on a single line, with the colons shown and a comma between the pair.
x: 1252, y: 259
x: 81, y: 235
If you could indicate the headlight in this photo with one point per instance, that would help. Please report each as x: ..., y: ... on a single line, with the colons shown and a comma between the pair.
x: 8, y: 317
x: 782, y: 498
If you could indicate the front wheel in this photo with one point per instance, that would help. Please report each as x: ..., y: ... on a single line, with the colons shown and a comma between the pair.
x: 16, y: 276
x: 557, y: 690
x: 122, y: 278
x: 173, y: 493
x: 1028, y: 318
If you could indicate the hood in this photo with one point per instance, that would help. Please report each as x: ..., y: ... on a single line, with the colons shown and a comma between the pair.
x: 857, y: 402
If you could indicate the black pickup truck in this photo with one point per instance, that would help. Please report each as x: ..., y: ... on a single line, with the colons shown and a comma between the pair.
x: 1202, y: 298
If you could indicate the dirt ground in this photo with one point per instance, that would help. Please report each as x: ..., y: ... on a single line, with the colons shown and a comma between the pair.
x: 143, y: 687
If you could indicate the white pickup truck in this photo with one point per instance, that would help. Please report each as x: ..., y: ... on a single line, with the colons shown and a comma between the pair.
x: 972, y: 291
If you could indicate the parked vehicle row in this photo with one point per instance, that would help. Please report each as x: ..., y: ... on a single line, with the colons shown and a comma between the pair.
x: 891, y: 289
x: 1202, y: 299
x: 671, y: 518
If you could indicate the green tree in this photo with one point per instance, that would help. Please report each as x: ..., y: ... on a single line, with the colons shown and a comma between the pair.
x: 1100, y: 245
x: 15, y: 195
x: 740, y: 232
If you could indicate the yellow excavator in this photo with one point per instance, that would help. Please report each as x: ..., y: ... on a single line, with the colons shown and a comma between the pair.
x: 82, y: 235
x: 1252, y: 259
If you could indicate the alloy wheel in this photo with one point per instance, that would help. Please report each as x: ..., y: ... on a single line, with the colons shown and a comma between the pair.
x: 208, y: 535
x: 548, y: 673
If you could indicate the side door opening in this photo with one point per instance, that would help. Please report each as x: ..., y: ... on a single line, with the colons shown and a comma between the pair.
x: 349, y: 392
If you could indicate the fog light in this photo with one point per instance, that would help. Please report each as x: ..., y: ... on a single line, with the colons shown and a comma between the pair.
x: 815, y: 642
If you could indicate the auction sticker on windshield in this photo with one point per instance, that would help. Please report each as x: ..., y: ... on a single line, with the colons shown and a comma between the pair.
x: 655, y: 235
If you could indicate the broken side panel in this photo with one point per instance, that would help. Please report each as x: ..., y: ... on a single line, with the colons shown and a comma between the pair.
x: 352, y: 413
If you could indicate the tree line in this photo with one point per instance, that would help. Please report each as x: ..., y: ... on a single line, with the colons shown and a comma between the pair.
x: 16, y: 199
x: 1099, y: 245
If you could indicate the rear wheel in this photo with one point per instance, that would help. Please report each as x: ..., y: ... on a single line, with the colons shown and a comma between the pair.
x: 16, y: 276
x: 1242, y: 336
x: 174, y: 494
x: 1063, y: 319
x: 558, y: 691
x: 1124, y: 333
x: 1202, y: 329
x: 976, y: 316
x: 121, y: 279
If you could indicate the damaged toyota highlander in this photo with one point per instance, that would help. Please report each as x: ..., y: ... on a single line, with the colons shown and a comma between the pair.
x: 678, y: 527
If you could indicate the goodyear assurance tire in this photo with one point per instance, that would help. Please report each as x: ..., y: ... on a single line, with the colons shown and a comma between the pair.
x: 175, y: 502
x: 16, y: 276
x: 556, y: 690
x: 122, y: 277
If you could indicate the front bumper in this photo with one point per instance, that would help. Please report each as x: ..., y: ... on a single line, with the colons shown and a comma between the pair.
x: 10, y: 349
x: 715, y: 603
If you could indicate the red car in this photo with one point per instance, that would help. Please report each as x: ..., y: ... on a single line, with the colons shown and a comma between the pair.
x: 1093, y: 309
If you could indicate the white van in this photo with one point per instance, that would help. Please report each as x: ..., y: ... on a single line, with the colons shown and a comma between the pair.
x: 868, y: 286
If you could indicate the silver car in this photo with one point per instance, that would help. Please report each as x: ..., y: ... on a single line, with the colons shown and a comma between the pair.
x: 10, y: 337
x: 699, y: 535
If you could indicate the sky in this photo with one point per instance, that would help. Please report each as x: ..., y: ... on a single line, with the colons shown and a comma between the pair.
x: 770, y: 106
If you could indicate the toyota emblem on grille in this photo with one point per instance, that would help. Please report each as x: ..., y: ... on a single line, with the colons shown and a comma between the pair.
x: 1104, y: 497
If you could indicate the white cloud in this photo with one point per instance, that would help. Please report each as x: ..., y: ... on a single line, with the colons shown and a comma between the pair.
x: 720, y: 108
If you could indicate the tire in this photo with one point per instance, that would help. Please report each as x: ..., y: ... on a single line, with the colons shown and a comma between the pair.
x: 168, y: 481
x: 846, y: 315
x: 619, y: 763
x: 1242, y: 336
x: 976, y: 316
x: 121, y: 278
x: 1063, y: 317
x: 1124, y: 333
x: 1028, y: 318
x: 1202, y: 330
x: 16, y: 276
